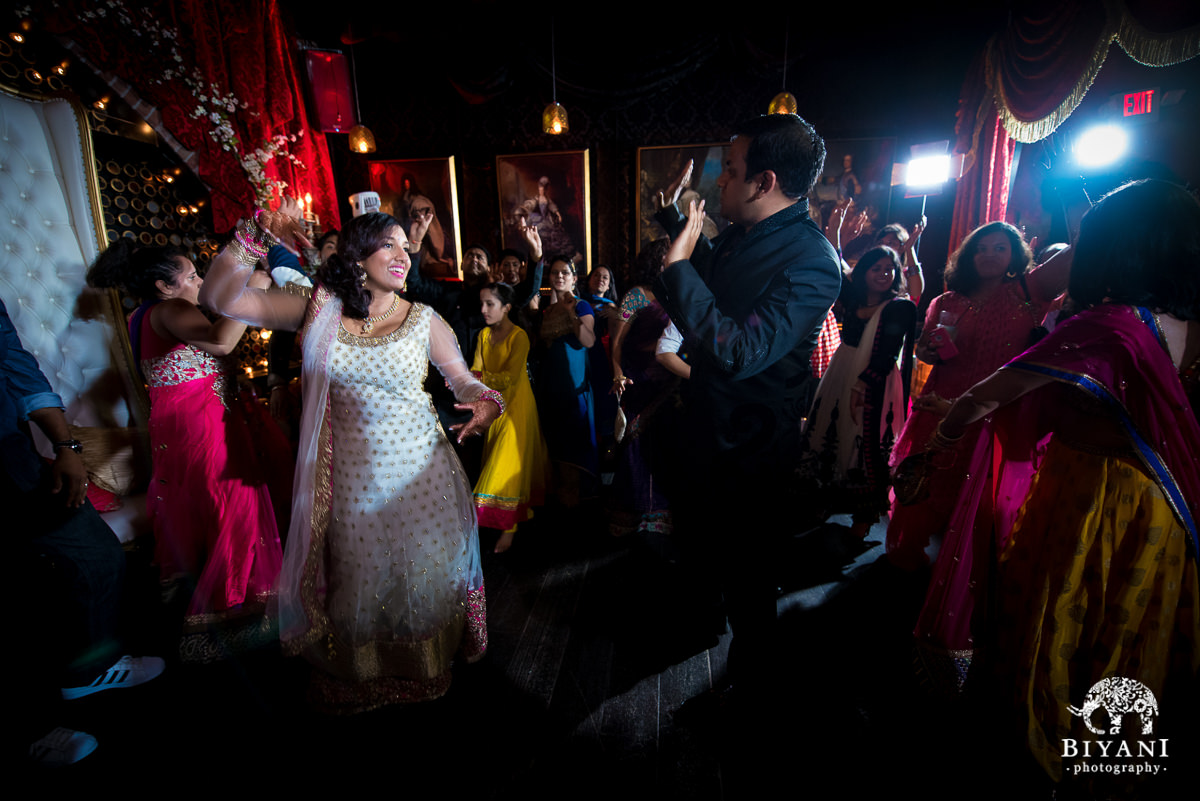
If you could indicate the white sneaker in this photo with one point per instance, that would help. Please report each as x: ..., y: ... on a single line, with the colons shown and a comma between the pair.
x: 62, y: 747
x: 129, y: 671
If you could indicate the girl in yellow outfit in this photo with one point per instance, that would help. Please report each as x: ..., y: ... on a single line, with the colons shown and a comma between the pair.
x: 514, y: 454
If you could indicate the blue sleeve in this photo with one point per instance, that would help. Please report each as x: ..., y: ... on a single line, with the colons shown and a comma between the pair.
x: 527, y: 290
x: 24, y: 383
x: 279, y: 256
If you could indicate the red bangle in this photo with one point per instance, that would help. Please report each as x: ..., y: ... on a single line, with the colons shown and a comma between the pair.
x: 494, y: 396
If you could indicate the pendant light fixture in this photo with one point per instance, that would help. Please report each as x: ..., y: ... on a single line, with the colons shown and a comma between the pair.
x: 361, y: 138
x: 554, y: 116
x: 784, y: 102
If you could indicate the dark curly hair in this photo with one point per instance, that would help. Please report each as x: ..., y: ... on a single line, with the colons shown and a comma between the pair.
x: 648, y: 265
x: 136, y: 270
x: 342, y: 272
x: 788, y: 146
x: 1140, y: 245
x: 857, y: 297
x: 961, y: 275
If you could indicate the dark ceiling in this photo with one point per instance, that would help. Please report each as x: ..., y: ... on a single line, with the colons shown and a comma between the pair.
x: 859, y: 72
x: 472, y: 82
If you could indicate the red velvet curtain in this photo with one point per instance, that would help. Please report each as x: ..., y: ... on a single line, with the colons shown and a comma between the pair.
x: 175, y: 53
x: 1037, y: 71
x: 982, y: 194
x: 1049, y: 52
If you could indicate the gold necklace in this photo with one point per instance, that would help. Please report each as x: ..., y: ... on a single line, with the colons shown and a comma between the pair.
x: 368, y: 324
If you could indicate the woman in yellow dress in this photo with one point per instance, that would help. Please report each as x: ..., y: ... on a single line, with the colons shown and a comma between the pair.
x: 513, y: 479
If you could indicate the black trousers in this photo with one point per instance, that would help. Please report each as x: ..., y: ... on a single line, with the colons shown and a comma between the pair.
x: 728, y: 520
x: 66, y: 570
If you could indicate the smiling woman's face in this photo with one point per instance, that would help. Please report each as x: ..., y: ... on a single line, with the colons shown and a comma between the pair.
x: 881, y: 275
x: 387, y: 267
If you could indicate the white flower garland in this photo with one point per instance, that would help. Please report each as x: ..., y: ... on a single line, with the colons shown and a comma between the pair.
x: 212, y: 104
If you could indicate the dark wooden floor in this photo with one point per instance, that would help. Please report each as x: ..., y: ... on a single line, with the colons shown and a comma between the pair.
x: 596, y: 644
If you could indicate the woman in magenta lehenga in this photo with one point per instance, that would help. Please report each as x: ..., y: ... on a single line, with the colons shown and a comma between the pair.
x: 988, y: 316
x: 209, y: 503
x: 1098, y: 580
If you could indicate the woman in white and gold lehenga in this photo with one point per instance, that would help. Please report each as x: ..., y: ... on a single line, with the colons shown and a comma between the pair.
x: 381, y: 586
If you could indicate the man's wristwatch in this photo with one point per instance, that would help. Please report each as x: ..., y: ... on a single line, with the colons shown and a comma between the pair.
x: 73, y: 444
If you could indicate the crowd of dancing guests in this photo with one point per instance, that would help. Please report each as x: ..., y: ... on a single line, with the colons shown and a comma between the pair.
x: 1047, y: 464
x: 1050, y: 478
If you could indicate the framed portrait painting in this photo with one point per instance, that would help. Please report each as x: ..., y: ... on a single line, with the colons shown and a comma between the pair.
x: 412, y: 188
x: 858, y: 170
x: 658, y: 167
x: 551, y: 191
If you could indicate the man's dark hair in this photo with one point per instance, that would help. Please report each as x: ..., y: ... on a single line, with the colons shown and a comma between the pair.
x: 325, y: 237
x: 786, y: 145
x: 487, y: 254
x: 516, y: 254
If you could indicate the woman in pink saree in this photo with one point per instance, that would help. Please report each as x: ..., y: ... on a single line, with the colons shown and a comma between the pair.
x: 209, y: 503
x: 1098, y: 577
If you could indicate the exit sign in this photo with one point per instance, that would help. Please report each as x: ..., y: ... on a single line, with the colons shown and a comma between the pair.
x: 1137, y: 104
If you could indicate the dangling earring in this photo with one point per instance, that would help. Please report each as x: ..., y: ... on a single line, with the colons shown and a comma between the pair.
x: 362, y: 275
x: 1010, y: 273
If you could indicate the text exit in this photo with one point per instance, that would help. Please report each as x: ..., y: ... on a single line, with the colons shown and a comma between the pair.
x: 1139, y: 103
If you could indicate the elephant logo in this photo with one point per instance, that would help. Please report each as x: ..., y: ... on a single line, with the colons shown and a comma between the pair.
x: 1118, y: 696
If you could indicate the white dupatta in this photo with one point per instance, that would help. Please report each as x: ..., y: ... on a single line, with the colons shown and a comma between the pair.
x: 294, y: 620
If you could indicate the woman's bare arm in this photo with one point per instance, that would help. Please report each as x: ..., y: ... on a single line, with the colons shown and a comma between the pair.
x: 674, y: 364
x: 227, y: 290
x: 999, y: 389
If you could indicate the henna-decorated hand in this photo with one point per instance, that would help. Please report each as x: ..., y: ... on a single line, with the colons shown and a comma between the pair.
x: 483, y: 413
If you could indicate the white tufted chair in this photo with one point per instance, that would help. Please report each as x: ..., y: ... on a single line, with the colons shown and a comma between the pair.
x: 50, y: 230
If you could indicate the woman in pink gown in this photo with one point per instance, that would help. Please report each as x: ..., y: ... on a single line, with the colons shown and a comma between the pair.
x: 989, y: 315
x: 214, y: 524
